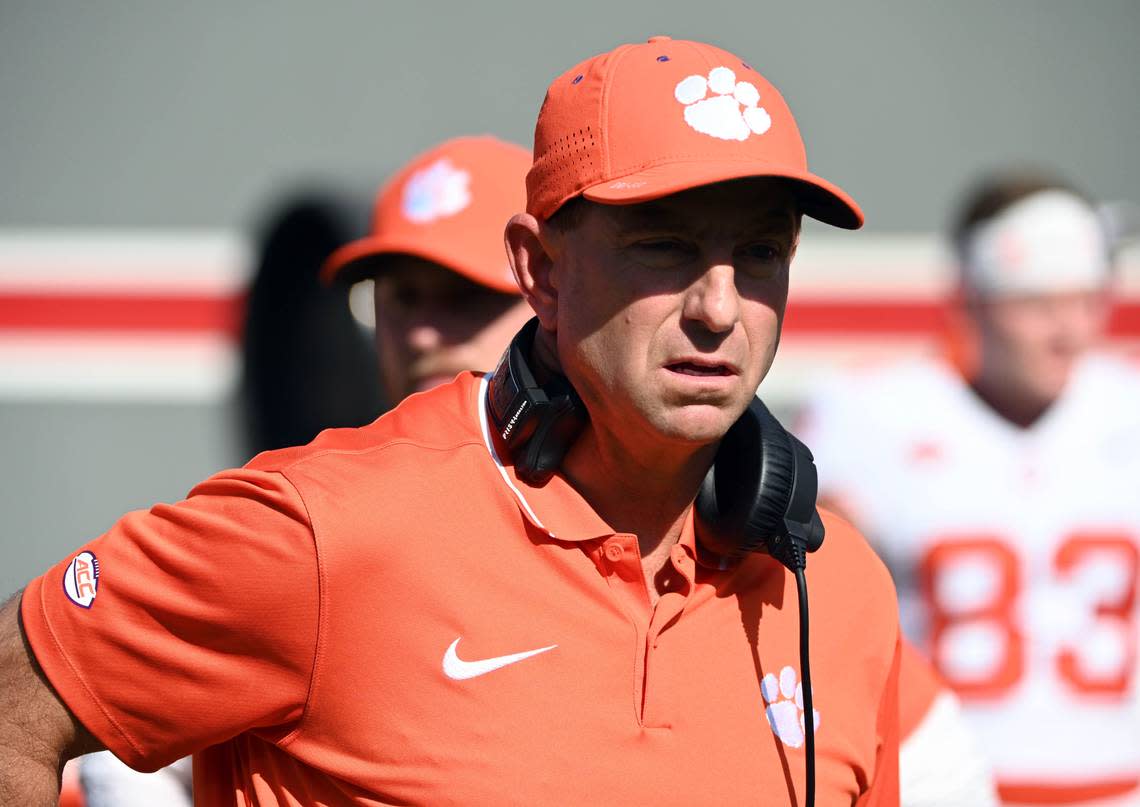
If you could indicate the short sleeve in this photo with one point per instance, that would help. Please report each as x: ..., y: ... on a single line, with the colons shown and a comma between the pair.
x: 187, y: 624
x: 919, y: 686
x: 884, y: 786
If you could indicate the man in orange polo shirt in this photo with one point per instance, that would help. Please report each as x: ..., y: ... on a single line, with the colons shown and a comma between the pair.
x: 444, y: 304
x: 409, y: 613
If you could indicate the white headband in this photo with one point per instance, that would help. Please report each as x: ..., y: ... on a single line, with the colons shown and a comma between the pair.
x: 1049, y: 242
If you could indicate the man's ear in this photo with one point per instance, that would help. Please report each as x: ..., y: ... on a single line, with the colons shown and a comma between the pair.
x: 532, y: 265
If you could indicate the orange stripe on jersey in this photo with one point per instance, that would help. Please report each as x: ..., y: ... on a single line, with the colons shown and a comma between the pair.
x: 1022, y: 793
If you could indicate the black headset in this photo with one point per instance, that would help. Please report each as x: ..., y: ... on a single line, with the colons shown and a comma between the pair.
x: 537, y: 423
x: 758, y: 496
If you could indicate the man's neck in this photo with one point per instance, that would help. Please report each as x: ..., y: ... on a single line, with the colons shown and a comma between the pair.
x: 1021, y: 410
x: 647, y: 494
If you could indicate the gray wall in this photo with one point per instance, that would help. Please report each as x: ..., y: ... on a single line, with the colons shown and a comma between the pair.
x: 172, y: 115
x: 69, y: 469
x: 177, y: 114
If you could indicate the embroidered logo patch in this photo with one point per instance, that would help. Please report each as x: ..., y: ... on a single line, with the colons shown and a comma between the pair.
x: 785, y: 711
x: 81, y: 580
x: 437, y: 191
x: 729, y: 112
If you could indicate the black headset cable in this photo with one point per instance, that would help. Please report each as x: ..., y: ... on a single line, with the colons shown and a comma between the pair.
x: 805, y: 685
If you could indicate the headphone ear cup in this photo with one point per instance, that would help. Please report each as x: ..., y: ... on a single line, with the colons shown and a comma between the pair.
x: 777, y: 475
x: 744, y: 497
x: 727, y: 498
x: 537, y: 423
x: 563, y: 418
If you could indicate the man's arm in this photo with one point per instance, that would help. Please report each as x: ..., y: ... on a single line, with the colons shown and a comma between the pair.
x: 37, y: 732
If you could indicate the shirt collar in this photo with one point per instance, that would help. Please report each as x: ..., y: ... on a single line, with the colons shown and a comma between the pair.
x: 555, y: 508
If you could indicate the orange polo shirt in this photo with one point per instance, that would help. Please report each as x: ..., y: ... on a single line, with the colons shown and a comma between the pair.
x: 390, y: 616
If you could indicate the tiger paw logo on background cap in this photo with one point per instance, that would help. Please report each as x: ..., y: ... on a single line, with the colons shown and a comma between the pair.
x: 81, y: 579
x: 435, y: 192
x: 731, y: 113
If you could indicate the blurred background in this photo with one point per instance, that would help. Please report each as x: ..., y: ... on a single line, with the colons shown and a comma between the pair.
x: 154, y: 156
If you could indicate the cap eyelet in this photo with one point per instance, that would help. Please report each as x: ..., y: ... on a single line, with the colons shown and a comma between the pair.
x: 662, y: 58
x: 577, y: 78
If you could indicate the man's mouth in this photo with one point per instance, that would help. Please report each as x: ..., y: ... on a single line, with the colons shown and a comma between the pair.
x: 693, y: 368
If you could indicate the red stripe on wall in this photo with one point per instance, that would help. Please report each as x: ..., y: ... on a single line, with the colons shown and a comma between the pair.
x: 96, y: 312
x: 867, y: 317
x: 223, y: 315
x: 1125, y: 320
x: 906, y: 317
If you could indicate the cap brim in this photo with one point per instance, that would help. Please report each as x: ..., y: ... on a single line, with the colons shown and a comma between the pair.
x: 365, y: 258
x: 817, y: 197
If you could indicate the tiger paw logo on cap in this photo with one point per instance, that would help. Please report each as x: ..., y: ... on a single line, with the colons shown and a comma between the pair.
x: 435, y: 192
x: 81, y: 579
x: 732, y: 113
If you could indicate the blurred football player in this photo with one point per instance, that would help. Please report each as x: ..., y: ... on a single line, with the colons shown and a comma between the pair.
x: 1003, y: 496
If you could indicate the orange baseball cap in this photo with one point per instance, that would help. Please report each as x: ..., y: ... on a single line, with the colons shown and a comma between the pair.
x: 449, y: 205
x: 646, y: 121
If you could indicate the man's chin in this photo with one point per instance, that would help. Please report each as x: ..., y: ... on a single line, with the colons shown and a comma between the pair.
x: 699, y: 424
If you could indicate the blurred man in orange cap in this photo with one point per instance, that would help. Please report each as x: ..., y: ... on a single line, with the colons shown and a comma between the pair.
x: 445, y: 298
x: 1004, y: 499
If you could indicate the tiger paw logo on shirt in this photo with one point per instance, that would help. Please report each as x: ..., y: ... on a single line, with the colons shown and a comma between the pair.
x: 784, y: 697
x: 81, y: 580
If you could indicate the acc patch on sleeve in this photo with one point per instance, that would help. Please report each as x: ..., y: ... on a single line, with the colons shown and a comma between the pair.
x: 81, y: 580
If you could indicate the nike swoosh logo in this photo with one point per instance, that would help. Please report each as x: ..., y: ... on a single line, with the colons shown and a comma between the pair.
x: 457, y: 669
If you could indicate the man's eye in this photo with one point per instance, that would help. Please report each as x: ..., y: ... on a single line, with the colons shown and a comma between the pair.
x: 764, y: 252
x: 400, y: 296
x: 406, y: 297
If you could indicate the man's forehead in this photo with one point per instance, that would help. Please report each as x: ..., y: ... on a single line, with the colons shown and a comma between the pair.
x: 402, y: 269
x: 759, y: 202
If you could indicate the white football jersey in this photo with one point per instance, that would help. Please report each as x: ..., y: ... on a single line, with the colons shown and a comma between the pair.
x: 1016, y: 553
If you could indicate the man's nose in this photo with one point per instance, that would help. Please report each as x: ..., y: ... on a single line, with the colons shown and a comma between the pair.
x: 424, y: 334
x: 713, y: 300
